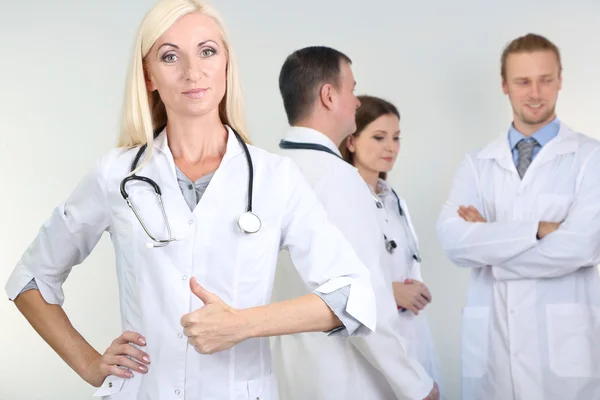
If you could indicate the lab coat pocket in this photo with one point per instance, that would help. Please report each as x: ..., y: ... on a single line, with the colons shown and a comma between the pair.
x: 475, y: 328
x: 574, y: 340
x: 258, y: 389
x: 554, y: 207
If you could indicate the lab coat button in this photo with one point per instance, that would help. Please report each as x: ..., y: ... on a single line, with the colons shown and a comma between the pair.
x: 180, y: 335
x: 191, y: 221
x: 177, y: 392
x: 184, y: 277
x: 109, y: 384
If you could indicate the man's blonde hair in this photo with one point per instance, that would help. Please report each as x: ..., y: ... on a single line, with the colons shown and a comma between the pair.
x: 527, y: 44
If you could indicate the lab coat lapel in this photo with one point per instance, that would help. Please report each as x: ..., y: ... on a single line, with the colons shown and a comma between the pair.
x: 175, y: 204
x: 218, y: 190
x: 233, y: 149
x: 169, y: 176
x: 414, y: 243
x: 564, y: 143
x: 499, y: 150
x: 409, y: 222
x: 143, y: 198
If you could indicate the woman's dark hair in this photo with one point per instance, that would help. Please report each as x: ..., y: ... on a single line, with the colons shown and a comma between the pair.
x: 370, y: 109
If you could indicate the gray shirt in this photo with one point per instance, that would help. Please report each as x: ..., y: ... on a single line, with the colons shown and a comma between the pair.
x: 336, y: 300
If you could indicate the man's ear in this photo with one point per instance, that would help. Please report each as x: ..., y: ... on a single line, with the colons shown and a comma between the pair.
x: 326, y: 95
x: 504, y: 85
x: 560, y: 80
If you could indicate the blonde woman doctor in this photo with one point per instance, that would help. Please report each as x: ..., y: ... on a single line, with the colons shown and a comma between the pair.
x: 373, y: 149
x: 196, y: 231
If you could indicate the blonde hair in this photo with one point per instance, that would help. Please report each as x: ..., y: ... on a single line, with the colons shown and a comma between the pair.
x: 143, y: 111
x: 528, y: 44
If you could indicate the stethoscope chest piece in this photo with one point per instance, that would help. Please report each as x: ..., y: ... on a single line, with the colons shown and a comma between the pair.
x: 249, y: 223
x: 390, y: 245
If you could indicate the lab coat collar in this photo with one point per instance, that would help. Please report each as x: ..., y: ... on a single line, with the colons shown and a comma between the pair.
x: 302, y: 134
x: 385, y: 192
x: 543, y: 135
x: 233, y: 148
x: 383, y: 188
x: 160, y: 142
x: 499, y: 150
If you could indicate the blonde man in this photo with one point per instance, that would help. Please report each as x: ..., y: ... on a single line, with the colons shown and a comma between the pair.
x: 523, y: 215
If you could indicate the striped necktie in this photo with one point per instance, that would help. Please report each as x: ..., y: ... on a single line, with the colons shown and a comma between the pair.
x: 525, y: 149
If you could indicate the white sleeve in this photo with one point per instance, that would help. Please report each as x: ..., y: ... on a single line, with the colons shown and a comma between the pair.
x: 323, y: 258
x: 352, y: 211
x: 472, y: 244
x: 387, y: 349
x: 575, y: 244
x: 65, y: 240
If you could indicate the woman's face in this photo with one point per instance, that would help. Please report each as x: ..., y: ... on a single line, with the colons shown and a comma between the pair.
x: 375, y: 148
x: 188, y: 66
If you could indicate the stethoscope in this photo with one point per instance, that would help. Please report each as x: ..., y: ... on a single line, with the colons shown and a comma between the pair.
x: 391, y: 244
x: 284, y: 144
x: 248, y: 222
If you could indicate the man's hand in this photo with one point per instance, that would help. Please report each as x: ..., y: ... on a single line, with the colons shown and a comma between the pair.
x: 546, y: 228
x: 214, y: 327
x: 470, y: 214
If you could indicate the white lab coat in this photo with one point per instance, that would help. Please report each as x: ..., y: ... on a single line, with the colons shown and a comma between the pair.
x: 531, y: 325
x: 153, y: 283
x: 318, y: 367
x: 403, y: 264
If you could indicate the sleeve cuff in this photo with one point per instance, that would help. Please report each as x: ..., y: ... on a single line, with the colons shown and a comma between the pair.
x: 360, y: 301
x: 30, y: 286
x: 22, y: 280
x: 337, y: 302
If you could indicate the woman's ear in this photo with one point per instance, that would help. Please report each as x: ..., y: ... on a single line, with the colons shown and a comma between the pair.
x: 351, y: 144
x: 149, y: 82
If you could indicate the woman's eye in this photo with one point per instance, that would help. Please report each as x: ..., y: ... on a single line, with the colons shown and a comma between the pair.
x: 208, y: 52
x: 169, y: 58
x: 378, y: 138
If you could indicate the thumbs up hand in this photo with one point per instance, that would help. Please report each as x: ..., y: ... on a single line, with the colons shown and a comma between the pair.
x: 203, y: 294
x: 215, y: 326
